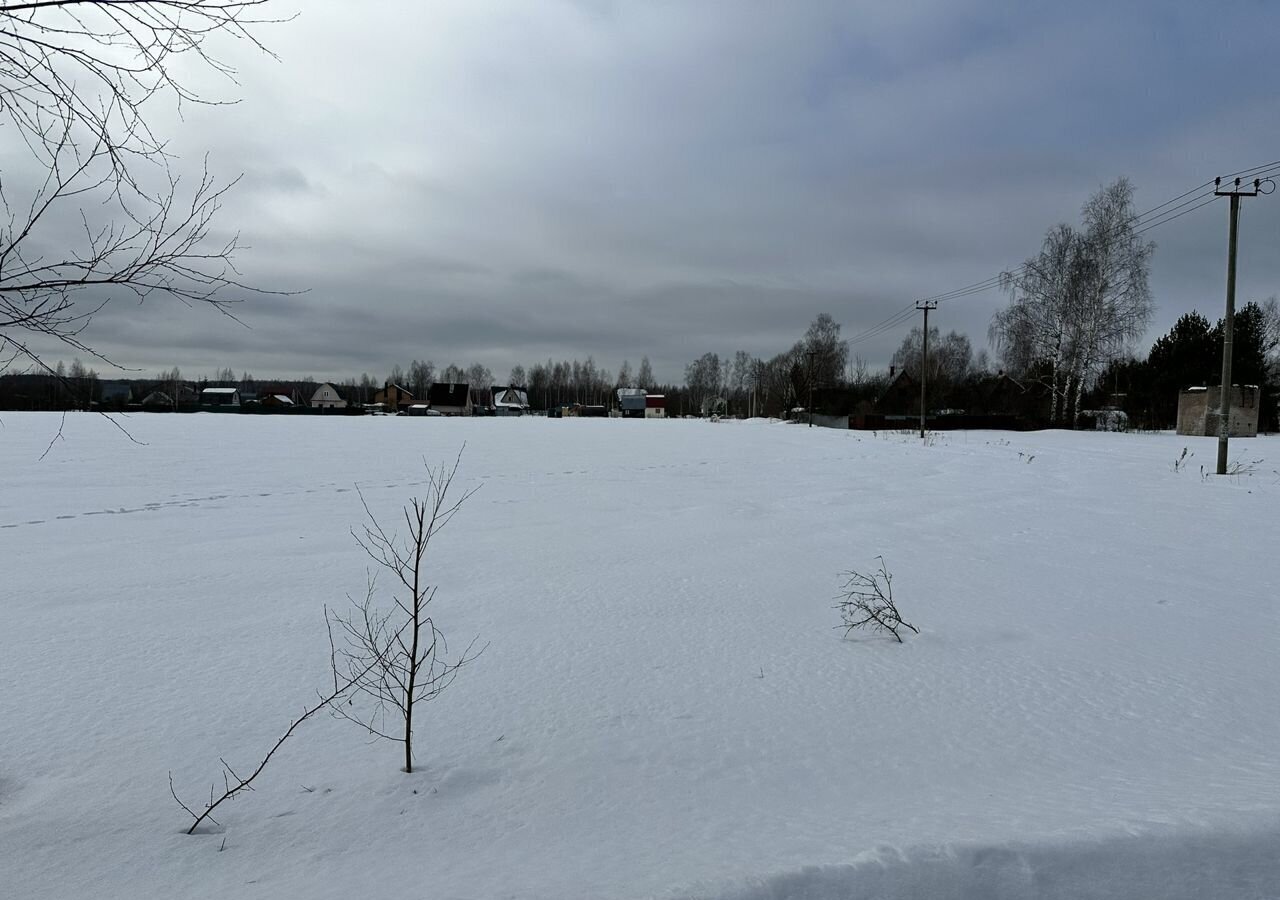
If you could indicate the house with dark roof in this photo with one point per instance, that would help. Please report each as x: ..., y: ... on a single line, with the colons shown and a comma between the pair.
x: 394, y: 396
x: 214, y: 397
x: 275, y: 400
x: 449, y: 399
x: 114, y: 394
x: 158, y: 400
x: 632, y: 402
x: 901, y: 397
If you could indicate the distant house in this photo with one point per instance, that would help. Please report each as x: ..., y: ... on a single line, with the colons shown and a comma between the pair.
x: 214, y: 397
x: 510, y: 401
x: 170, y: 395
x: 655, y: 406
x: 328, y: 397
x: 158, y: 400
x: 278, y: 395
x: 115, y: 394
x: 1003, y: 395
x: 449, y: 399
x: 901, y: 397
x: 184, y: 393
x: 394, y: 396
x: 632, y: 402
x: 275, y: 401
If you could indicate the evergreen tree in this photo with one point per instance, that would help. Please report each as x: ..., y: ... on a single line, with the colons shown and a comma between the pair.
x: 1190, y: 354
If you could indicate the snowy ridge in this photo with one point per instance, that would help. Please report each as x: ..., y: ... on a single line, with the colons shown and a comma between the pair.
x: 1173, y: 866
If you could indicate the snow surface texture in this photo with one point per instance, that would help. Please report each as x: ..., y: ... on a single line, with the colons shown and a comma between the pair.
x: 666, y: 707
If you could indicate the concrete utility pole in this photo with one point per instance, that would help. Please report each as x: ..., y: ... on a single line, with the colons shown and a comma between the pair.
x: 1228, y: 322
x: 924, y: 359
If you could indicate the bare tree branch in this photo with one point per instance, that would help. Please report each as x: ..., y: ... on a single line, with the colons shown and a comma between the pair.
x: 867, y: 600
x: 76, y: 78
x: 234, y: 784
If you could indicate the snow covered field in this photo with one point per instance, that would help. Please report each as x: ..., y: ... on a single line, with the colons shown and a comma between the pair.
x: 664, y: 709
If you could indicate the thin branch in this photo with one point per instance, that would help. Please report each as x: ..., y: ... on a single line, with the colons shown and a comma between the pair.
x: 238, y: 785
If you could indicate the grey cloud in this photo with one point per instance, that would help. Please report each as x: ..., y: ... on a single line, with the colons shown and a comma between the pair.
x: 504, y: 183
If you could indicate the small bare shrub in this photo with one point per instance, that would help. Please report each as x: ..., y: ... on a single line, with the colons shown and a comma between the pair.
x: 1180, y: 464
x: 866, y: 601
x: 1244, y: 467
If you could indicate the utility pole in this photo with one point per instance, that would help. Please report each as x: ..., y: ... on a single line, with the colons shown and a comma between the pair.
x: 924, y: 359
x: 811, y: 354
x: 1228, y: 323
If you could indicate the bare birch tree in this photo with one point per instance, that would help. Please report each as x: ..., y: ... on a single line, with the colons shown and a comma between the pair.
x: 90, y: 209
x: 1033, y: 334
x: 704, y: 378
x: 830, y: 354
x: 1116, y: 303
x: 644, y: 375
x: 950, y: 357
x: 1080, y: 302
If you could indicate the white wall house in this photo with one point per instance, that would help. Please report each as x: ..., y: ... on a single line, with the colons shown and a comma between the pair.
x: 327, y: 397
x: 510, y: 401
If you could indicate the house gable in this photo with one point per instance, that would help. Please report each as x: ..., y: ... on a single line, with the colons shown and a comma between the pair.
x: 446, y: 396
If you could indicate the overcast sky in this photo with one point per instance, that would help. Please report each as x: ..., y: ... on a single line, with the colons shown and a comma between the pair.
x: 503, y: 182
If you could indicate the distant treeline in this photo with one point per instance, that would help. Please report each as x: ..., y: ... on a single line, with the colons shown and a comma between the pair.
x: 816, y: 368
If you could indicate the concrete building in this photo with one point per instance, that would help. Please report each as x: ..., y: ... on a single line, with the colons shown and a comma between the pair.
x: 1198, y: 411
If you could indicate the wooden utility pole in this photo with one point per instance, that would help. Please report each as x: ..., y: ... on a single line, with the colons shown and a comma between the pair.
x: 811, y: 354
x: 1228, y: 322
x: 924, y: 360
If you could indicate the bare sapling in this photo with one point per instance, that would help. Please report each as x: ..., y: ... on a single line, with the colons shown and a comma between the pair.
x: 396, y: 657
x: 866, y: 601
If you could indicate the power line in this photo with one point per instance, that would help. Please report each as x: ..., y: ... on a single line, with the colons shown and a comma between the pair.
x: 1149, y: 218
x: 1174, y: 208
x: 1247, y: 172
x: 887, y: 325
x: 1199, y: 205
